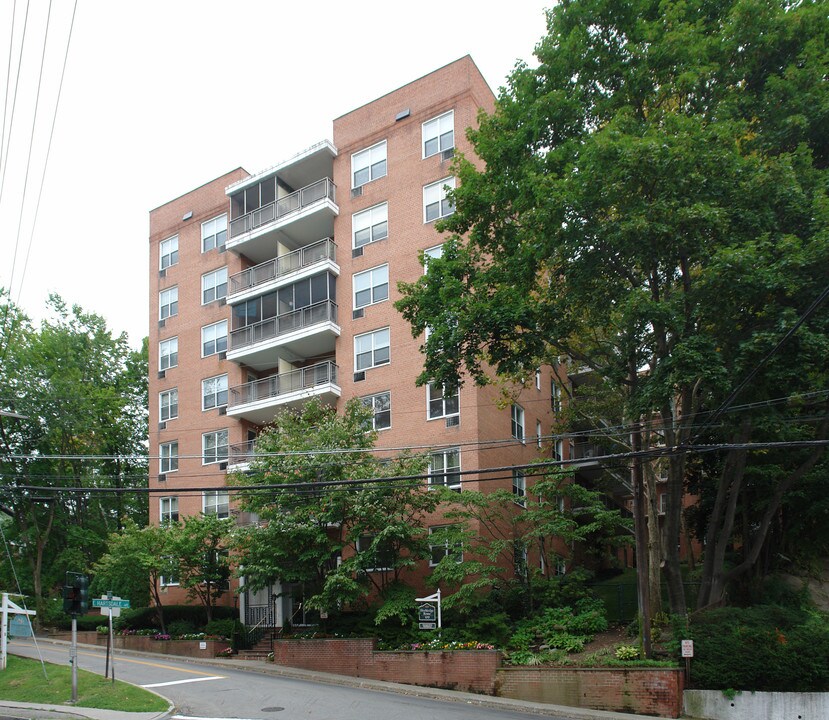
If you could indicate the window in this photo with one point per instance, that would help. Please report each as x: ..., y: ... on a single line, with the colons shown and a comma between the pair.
x: 371, y: 286
x: 442, y: 403
x: 368, y: 164
x: 168, y: 354
x: 439, y: 134
x: 519, y: 488
x: 214, y: 338
x: 371, y: 349
x: 441, y: 546
x: 380, y: 405
x: 431, y: 254
x: 167, y: 303
x: 445, y: 468
x: 379, y: 555
x: 663, y: 503
x: 214, y: 392
x: 168, y: 405
x: 538, y: 432
x: 555, y: 396
x: 435, y: 203
x: 168, y: 250
x: 214, y: 286
x: 538, y: 379
x: 370, y: 225
x: 168, y: 509
x: 214, y: 447
x: 168, y: 457
x: 216, y: 502
x: 519, y: 558
x: 558, y: 450
x: 171, y: 578
x: 214, y: 233
x: 517, y: 422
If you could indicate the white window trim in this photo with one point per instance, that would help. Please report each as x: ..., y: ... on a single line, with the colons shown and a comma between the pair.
x: 370, y: 273
x: 519, y: 488
x: 162, y: 304
x: 171, y: 393
x: 538, y: 433
x: 213, y: 235
x: 368, y: 152
x: 437, y: 121
x: 380, y: 209
x: 162, y: 254
x: 162, y: 460
x: 207, y: 327
x: 447, y: 182
x: 359, y: 550
x: 369, y: 401
x: 430, y: 254
x: 447, y: 550
x: 444, y: 413
x: 165, y: 516
x: 216, y: 496
x: 203, y: 394
x: 442, y: 478
x: 212, y: 276
x: 374, y: 348
x: 162, y: 354
x: 518, y: 421
x: 218, y: 459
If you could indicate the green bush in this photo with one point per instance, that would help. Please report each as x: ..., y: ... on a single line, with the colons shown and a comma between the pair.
x: 196, y: 615
x: 562, y: 628
x: 180, y: 627
x: 223, y: 628
x: 766, y: 647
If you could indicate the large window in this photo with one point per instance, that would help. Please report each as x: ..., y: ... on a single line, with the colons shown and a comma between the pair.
x: 371, y: 349
x: 216, y: 502
x: 439, y: 134
x: 168, y: 251
x: 301, y: 294
x: 442, y: 403
x: 214, y: 233
x: 168, y: 457
x: 371, y: 286
x: 445, y: 468
x: 214, y: 285
x: 517, y: 422
x: 378, y: 556
x: 168, y: 509
x: 441, y: 546
x: 168, y: 354
x: 380, y: 405
x: 214, y: 447
x: 435, y: 203
x: 168, y: 405
x: 167, y: 303
x: 214, y: 338
x: 368, y: 164
x: 519, y: 488
x: 214, y: 392
x: 370, y: 225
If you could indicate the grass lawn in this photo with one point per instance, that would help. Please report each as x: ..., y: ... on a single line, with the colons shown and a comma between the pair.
x: 23, y: 681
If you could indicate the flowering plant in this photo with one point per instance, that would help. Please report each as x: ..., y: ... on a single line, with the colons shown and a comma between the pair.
x: 161, y: 636
x: 227, y: 652
x: 436, y: 644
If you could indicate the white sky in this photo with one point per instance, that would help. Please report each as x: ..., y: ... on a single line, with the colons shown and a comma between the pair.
x: 161, y: 96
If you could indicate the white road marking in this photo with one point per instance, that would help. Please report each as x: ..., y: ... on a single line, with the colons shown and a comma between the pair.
x: 182, y: 682
x: 196, y: 717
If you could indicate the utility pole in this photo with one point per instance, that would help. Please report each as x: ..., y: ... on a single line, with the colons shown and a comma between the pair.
x: 640, y: 533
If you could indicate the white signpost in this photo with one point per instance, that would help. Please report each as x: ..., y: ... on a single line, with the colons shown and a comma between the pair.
x: 9, y: 608
x: 112, y: 607
x: 428, y: 614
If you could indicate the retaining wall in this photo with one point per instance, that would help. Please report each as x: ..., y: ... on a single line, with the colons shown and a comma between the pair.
x: 713, y: 705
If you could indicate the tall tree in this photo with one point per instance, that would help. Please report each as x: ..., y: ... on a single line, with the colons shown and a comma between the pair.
x: 656, y: 147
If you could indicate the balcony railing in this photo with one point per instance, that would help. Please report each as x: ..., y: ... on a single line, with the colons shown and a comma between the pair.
x: 241, y: 453
x: 293, y: 261
x: 283, y: 383
x: 271, y: 328
x: 279, y: 209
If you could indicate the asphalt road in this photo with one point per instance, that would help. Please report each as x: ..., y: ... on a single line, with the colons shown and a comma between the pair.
x: 203, y: 691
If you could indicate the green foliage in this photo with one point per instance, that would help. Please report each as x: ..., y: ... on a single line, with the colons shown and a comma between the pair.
x: 195, y: 615
x: 627, y: 652
x: 761, y: 648
x: 561, y: 628
x: 226, y: 628
x: 177, y: 628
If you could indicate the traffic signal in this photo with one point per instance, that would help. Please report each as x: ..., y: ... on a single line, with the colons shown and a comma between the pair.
x: 70, y: 599
x: 76, y: 594
x: 83, y: 593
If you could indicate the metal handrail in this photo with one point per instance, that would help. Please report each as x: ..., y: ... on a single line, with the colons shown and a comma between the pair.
x: 325, y: 311
x: 278, y: 209
x: 283, y: 265
x: 283, y: 383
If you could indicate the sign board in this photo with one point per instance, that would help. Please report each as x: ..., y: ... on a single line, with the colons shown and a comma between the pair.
x: 427, y: 626
x: 202, y: 645
x: 427, y: 613
x: 19, y: 626
x: 687, y: 648
x: 104, y: 603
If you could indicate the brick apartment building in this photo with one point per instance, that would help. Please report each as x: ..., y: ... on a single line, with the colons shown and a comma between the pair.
x: 272, y: 288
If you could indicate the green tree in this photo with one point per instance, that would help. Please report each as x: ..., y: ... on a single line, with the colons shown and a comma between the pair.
x: 335, y: 518
x: 652, y: 204
x: 70, y: 462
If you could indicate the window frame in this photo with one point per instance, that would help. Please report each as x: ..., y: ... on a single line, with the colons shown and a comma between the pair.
x: 215, y: 288
x: 517, y: 422
x: 168, y: 399
x: 443, y: 211
x: 215, y: 454
x: 162, y: 354
x: 216, y: 393
x: 371, y: 288
x: 167, y: 457
x: 213, y: 508
x: 447, y: 549
x: 381, y: 210
x: 519, y: 488
x: 443, y: 399
x: 369, y: 153
x: 172, y: 254
x: 215, y: 340
x: 166, y: 515
x: 370, y: 401
x: 214, y: 236
x: 444, y: 477
x: 358, y: 548
x: 438, y: 135
x: 164, y: 301
x: 374, y: 348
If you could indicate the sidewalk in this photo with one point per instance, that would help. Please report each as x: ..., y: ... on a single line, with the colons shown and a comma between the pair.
x: 265, y: 668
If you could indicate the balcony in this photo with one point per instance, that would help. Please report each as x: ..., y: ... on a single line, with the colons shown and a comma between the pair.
x: 293, y: 220
x: 259, y: 400
x: 271, y: 274
x: 308, y: 332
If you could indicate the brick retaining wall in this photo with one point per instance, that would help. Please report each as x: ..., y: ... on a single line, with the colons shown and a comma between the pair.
x: 645, y: 691
x: 468, y: 670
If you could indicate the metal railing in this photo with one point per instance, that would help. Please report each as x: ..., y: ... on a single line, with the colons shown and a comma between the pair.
x: 283, y: 383
x: 278, y: 209
x: 243, y: 452
x: 325, y: 311
x: 291, y: 262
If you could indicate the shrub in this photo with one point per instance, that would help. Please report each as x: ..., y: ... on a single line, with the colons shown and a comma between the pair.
x: 180, y: 627
x: 627, y: 652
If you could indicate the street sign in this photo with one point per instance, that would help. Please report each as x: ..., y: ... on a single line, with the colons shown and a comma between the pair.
x: 427, y: 613
x: 687, y: 648
x: 104, y: 603
x: 427, y: 626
